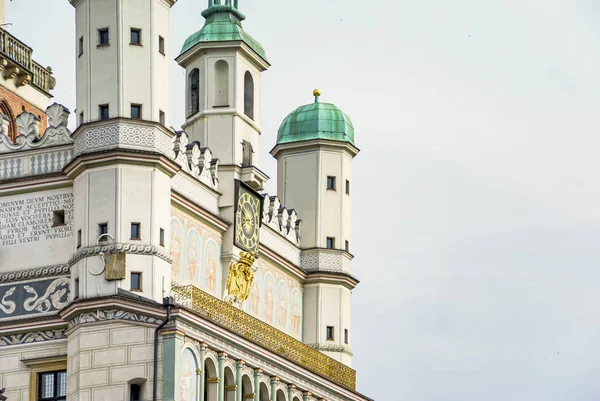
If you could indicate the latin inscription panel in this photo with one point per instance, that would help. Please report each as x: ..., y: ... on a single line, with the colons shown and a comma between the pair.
x: 36, y: 229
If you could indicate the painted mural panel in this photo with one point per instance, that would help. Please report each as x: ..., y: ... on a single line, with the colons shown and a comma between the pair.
x: 189, y: 378
x: 196, y: 251
x: 276, y: 298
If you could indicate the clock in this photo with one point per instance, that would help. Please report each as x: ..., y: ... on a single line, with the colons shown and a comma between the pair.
x: 248, y: 213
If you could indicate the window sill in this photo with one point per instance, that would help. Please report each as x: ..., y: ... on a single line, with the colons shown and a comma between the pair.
x: 58, y: 225
x: 135, y: 239
x: 135, y: 290
x: 163, y: 53
x: 103, y: 45
x: 136, y: 44
x: 221, y: 107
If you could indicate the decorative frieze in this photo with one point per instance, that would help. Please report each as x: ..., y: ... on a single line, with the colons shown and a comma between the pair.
x: 326, y: 260
x: 137, y: 249
x: 39, y: 272
x: 331, y: 348
x: 27, y: 338
x: 111, y: 314
x: 34, y: 297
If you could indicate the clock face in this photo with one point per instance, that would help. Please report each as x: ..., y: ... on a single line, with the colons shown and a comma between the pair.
x: 247, y: 221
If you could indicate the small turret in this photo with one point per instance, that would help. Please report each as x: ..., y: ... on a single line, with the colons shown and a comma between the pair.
x: 314, y: 152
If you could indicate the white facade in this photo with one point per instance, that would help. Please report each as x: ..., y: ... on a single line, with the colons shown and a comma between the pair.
x: 100, y: 225
x: 115, y: 71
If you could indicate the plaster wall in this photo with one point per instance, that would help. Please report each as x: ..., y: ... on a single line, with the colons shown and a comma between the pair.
x: 122, y: 73
x: 119, y: 195
x: 327, y: 305
x: 28, y: 236
x: 104, y: 358
x: 14, y: 375
x: 223, y: 127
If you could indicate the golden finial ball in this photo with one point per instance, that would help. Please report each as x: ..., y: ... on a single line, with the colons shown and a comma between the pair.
x: 316, y: 92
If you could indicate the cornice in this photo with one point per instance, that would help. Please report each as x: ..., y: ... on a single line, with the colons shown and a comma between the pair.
x: 120, y: 156
x: 135, y: 249
x: 337, y: 278
x: 35, y: 184
x: 184, y: 204
x: 314, y: 145
x: 39, y: 272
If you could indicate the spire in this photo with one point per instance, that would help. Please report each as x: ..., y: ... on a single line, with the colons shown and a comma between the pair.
x: 316, y: 94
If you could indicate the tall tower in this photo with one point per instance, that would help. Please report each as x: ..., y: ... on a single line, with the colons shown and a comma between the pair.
x: 314, y: 152
x: 121, y: 177
x: 223, y: 65
x: 122, y: 59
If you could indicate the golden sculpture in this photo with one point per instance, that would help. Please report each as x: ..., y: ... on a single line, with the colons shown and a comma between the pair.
x: 240, y: 277
x: 115, y: 266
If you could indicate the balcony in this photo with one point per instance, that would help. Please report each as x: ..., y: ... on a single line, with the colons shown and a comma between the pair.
x: 16, y: 63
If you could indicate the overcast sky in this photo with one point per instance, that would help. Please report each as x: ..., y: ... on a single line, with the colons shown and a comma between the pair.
x: 476, y: 192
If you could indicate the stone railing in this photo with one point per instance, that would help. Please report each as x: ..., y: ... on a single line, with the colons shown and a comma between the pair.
x: 21, y: 54
x: 263, y: 334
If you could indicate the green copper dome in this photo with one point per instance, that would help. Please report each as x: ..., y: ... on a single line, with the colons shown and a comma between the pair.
x: 223, y: 24
x: 316, y: 121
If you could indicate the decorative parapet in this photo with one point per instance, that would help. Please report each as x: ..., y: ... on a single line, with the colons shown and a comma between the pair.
x: 196, y: 160
x: 282, y: 220
x: 326, y: 260
x: 28, y: 125
x: 263, y: 334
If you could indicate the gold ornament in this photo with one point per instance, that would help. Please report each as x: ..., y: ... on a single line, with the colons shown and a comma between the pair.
x: 263, y: 334
x: 241, y: 276
x: 317, y: 92
x: 115, y: 266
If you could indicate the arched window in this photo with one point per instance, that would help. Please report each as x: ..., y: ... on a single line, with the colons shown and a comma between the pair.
x: 210, y: 380
x: 4, y: 109
x: 248, y: 95
x: 221, y: 84
x: 281, y: 395
x: 194, y: 88
x: 247, y: 392
x: 189, y: 379
x: 264, y: 392
x: 229, y: 385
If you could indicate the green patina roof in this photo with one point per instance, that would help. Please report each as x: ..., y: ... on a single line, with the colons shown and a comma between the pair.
x: 316, y: 121
x: 223, y: 23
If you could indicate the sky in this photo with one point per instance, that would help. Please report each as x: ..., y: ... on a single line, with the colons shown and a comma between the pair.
x: 476, y: 218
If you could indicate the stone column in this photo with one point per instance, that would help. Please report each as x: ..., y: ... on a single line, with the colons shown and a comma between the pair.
x: 307, y: 396
x: 239, y: 392
x: 257, y: 373
x: 201, y: 383
x: 291, y: 389
x: 221, y: 388
x: 274, y: 381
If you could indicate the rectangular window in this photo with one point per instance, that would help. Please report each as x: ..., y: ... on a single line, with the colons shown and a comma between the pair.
x: 58, y: 218
x: 136, y: 281
x: 135, y: 392
x: 161, y: 45
x: 103, y: 229
x: 136, y: 37
x: 136, y: 111
x: 103, y: 37
x: 52, y: 386
x: 81, y: 118
x: 80, y: 49
x: 347, y: 187
x: 330, y: 243
x: 76, y: 289
x: 329, y: 333
x: 331, y: 183
x: 135, y: 231
x: 347, y: 246
x: 103, y: 112
x: 161, y: 117
x: 78, y: 238
x: 346, y: 336
x: 162, y: 237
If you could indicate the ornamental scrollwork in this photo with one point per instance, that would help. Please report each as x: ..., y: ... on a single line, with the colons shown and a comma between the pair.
x: 111, y: 314
x: 27, y: 338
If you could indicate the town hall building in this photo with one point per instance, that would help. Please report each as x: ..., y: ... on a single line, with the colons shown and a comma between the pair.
x: 140, y: 262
